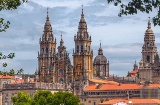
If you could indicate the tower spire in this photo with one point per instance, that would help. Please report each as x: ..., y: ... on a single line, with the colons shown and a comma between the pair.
x: 47, y: 14
x: 100, y: 51
x: 61, y: 42
x: 61, y: 35
x: 82, y: 15
x: 149, y: 23
x: 100, y: 43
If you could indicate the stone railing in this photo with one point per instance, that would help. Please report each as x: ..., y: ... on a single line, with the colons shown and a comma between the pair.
x: 36, y: 86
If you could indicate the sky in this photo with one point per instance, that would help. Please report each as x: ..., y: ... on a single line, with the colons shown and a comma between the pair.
x: 121, y: 37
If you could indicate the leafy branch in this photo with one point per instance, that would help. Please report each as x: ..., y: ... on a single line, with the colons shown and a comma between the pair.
x: 133, y: 6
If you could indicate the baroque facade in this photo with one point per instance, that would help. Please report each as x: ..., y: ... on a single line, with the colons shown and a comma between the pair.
x: 82, y: 57
x: 56, y: 66
x: 149, y: 65
x: 53, y: 66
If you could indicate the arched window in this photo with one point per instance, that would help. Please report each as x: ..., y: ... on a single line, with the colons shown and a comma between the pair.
x: 148, y: 44
x: 6, y: 103
x: 77, y: 48
x: 70, y: 81
x: 60, y: 72
x: 61, y: 81
x: 148, y: 58
x: 82, y: 48
x: 46, y: 50
x: 42, y: 50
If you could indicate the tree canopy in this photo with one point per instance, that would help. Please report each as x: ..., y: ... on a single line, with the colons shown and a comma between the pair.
x: 22, y: 98
x: 132, y: 7
x: 46, y: 98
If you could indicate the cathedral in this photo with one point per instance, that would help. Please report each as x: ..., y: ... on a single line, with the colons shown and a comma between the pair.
x: 149, y: 66
x: 55, y: 66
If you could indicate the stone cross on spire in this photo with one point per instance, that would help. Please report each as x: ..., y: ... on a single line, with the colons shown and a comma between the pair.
x: 61, y: 42
x: 47, y: 14
x: 100, y: 51
x: 149, y: 23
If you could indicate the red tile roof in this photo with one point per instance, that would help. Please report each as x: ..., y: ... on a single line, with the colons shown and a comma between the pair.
x: 103, y: 81
x: 5, y: 77
x: 104, y: 87
x: 134, y: 101
x: 133, y: 72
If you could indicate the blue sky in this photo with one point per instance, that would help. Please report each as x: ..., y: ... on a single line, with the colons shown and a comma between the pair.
x: 122, y: 37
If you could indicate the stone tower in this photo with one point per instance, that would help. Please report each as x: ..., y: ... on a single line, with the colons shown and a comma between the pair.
x: 46, y: 55
x: 82, y: 57
x: 135, y: 66
x: 149, y: 52
x: 101, y: 65
x: 64, y: 70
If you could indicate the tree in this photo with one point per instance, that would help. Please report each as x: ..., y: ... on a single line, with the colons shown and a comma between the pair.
x: 20, y: 71
x: 46, y: 98
x: 65, y: 98
x: 43, y: 98
x: 133, y: 6
x: 11, y: 72
x: 22, y: 98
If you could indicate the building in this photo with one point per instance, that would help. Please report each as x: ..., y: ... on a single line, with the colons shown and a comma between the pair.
x: 131, y: 102
x: 101, y: 65
x: 9, y: 90
x: 149, y: 65
x: 53, y: 66
x: 46, y: 56
x: 134, y: 72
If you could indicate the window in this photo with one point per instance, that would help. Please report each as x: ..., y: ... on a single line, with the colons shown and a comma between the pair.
x: 60, y: 72
x: 77, y: 48
x: 42, y: 50
x: 61, y: 81
x: 81, y: 48
x: 6, y: 103
x: 148, y: 58
x: 46, y: 50
x: 94, y: 103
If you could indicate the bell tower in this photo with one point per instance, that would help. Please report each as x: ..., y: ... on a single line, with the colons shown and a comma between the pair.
x: 82, y: 56
x: 149, y: 52
x: 46, y: 54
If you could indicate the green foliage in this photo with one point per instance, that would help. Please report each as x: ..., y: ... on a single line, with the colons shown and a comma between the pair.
x: 22, y: 98
x: 10, y: 56
x: 11, y: 72
x: 65, y: 98
x: 43, y: 98
x: 133, y: 6
x: 20, y: 71
x: 46, y: 98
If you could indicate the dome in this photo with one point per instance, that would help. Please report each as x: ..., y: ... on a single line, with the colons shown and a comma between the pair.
x: 148, y: 31
x: 100, y: 59
x: 135, y: 65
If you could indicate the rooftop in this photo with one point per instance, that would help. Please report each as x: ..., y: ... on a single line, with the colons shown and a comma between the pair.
x: 133, y: 101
